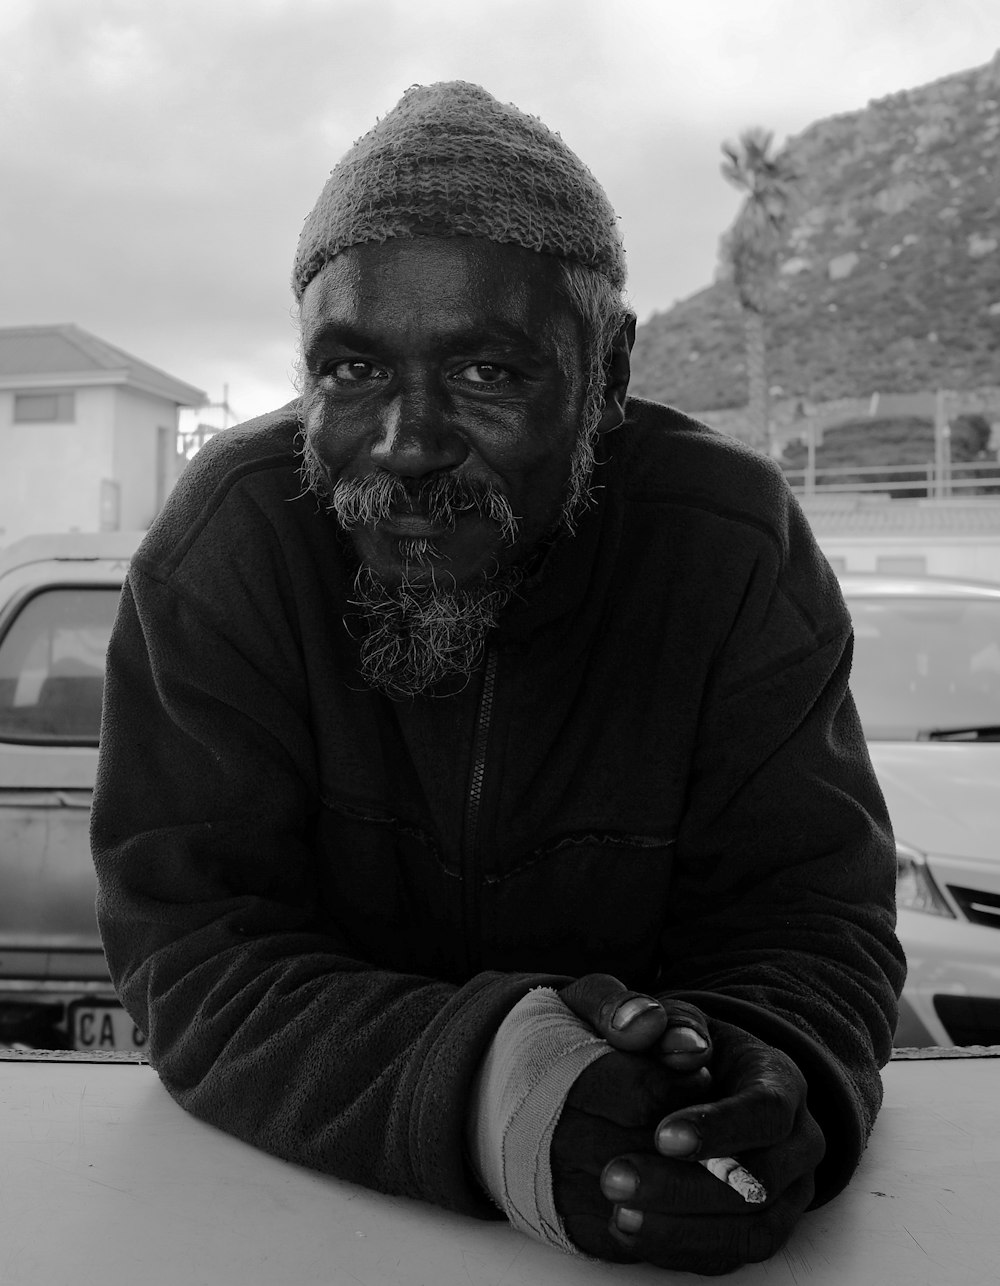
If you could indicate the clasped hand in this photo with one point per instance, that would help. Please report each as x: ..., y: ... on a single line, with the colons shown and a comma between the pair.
x: 676, y: 1088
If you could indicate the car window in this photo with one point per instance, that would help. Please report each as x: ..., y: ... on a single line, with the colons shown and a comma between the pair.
x: 52, y: 666
x: 925, y: 663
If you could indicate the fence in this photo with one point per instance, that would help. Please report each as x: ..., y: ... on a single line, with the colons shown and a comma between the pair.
x: 937, y: 479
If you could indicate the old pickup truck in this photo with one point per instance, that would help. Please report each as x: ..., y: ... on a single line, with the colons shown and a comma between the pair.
x: 58, y: 597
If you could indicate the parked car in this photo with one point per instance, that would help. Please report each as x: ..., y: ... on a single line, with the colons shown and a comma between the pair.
x: 927, y: 682
x: 58, y: 597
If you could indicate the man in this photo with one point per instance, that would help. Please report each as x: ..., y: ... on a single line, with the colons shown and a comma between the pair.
x: 482, y: 808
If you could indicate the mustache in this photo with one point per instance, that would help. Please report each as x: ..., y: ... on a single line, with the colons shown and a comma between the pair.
x: 376, y: 497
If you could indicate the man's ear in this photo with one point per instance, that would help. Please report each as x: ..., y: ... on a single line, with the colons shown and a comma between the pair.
x: 617, y: 372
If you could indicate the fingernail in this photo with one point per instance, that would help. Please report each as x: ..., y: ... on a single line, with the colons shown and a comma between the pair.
x: 628, y: 1220
x: 678, y: 1139
x: 629, y: 1010
x: 677, y: 1040
x: 619, y: 1181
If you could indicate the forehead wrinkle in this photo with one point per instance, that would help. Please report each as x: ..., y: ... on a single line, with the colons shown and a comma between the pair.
x: 478, y: 335
x: 497, y: 340
x: 347, y: 301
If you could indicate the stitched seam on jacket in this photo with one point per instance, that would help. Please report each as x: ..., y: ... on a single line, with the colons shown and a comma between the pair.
x: 605, y: 839
x: 361, y: 814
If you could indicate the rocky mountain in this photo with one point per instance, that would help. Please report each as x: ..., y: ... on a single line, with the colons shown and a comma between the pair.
x: 890, y: 275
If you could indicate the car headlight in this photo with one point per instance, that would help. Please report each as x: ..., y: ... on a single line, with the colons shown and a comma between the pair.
x: 915, y: 887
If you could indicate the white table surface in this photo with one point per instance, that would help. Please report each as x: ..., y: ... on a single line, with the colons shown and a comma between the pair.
x: 105, y: 1181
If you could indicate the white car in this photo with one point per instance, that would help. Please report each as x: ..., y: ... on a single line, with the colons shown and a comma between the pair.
x: 926, y: 680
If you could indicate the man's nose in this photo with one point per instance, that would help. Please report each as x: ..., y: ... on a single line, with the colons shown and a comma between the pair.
x: 416, y: 437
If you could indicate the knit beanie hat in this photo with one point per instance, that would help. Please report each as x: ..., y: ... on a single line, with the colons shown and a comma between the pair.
x: 450, y: 160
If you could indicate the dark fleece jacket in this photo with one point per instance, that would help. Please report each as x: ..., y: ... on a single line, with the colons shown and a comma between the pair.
x: 319, y: 903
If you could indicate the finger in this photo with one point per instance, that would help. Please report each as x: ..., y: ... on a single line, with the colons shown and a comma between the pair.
x: 590, y: 1231
x: 769, y: 1092
x: 580, y: 1148
x: 767, y: 1172
x: 738, y: 1123
x: 686, y: 1044
x: 626, y: 1019
x: 582, y: 1145
x: 633, y: 1090
x: 714, y: 1243
x: 612, y: 1108
x: 677, y: 1215
x: 644, y: 1181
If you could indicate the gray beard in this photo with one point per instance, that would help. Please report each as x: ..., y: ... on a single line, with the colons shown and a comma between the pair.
x: 420, y: 637
x: 427, y: 636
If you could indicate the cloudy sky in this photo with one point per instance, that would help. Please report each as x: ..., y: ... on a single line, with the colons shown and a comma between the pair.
x: 159, y: 156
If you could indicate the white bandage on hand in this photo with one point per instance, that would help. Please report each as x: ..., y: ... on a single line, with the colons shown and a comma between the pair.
x: 539, y: 1050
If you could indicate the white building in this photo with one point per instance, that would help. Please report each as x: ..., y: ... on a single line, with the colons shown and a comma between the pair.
x: 88, y: 433
x: 947, y: 537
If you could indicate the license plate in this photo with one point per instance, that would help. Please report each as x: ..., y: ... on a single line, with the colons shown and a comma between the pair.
x: 95, y: 1027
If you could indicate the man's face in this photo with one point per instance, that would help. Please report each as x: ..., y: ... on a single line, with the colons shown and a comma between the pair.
x: 443, y: 358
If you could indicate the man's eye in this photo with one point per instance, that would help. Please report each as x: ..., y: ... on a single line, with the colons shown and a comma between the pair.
x: 483, y: 373
x: 356, y: 371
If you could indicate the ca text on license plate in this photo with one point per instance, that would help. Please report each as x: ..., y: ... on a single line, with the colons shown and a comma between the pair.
x: 104, y: 1027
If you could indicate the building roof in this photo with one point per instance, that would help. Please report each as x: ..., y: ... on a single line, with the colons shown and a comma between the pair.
x: 943, y: 517
x: 63, y: 355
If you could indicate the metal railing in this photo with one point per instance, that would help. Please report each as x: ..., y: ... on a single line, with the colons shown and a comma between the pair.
x: 190, y: 442
x: 935, y: 479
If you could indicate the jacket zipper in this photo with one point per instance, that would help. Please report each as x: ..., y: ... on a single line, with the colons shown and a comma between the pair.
x: 471, y: 872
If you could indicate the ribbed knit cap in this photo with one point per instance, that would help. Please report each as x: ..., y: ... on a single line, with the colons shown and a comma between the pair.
x: 450, y: 160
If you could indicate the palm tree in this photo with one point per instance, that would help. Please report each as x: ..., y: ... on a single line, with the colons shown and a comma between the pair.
x: 752, y: 247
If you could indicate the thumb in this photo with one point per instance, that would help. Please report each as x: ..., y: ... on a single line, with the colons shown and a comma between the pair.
x: 626, y: 1019
x: 674, y: 1032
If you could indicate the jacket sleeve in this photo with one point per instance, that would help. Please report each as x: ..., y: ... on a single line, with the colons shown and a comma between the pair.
x: 257, y: 1017
x: 782, y: 920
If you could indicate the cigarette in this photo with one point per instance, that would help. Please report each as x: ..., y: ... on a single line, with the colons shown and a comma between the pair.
x: 737, y: 1177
